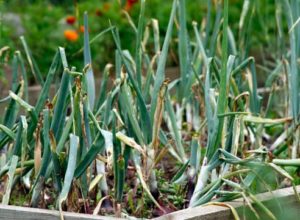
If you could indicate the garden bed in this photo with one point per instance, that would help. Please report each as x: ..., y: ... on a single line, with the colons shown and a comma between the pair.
x: 143, y: 144
x: 282, y: 202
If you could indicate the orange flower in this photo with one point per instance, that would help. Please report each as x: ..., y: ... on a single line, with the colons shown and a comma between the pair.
x: 81, y: 29
x: 130, y: 4
x: 70, y: 19
x: 71, y: 35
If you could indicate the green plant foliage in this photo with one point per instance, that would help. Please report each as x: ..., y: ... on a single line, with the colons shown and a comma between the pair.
x: 145, y: 145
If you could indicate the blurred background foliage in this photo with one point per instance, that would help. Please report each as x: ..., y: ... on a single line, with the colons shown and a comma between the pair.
x: 44, y: 25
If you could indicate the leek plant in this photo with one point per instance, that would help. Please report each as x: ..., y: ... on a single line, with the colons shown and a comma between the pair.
x: 104, y: 146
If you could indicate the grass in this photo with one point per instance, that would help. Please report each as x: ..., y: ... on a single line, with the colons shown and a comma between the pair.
x: 148, y: 146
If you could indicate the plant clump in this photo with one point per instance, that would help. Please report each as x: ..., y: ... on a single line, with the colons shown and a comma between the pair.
x: 148, y: 145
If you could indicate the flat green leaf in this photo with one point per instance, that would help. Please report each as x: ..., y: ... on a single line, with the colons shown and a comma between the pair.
x: 11, y: 173
x: 88, y: 61
x: 74, y: 143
